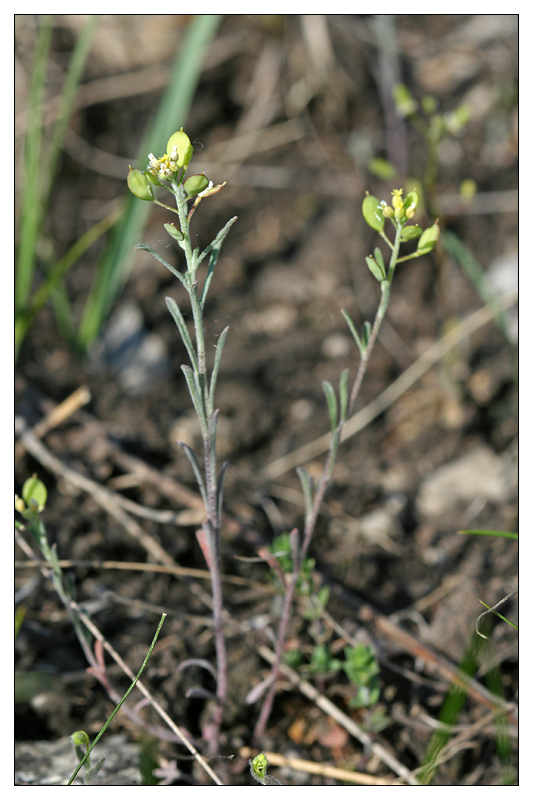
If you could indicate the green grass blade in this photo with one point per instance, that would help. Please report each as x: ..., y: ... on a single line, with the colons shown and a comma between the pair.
x: 499, y: 534
x: 171, y: 115
x: 40, y: 169
x: 449, y: 713
x: 118, y: 706
x: 474, y: 271
x: 491, y: 608
x: 32, y: 182
x: 78, y: 60
x: 55, y: 276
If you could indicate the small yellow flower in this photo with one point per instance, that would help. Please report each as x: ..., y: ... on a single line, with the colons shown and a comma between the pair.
x: 166, y: 167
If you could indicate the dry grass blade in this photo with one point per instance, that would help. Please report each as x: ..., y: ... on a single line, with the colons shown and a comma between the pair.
x: 311, y: 767
x: 153, y: 702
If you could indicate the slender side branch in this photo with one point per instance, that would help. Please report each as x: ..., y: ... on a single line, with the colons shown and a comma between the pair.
x: 375, y: 214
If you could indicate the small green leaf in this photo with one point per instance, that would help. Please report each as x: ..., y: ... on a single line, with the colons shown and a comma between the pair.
x: 307, y: 488
x: 373, y: 213
x: 378, y: 255
x: 331, y: 398
x: 429, y: 104
x: 378, y: 273
x: 323, y: 596
x: 216, y: 366
x: 367, y: 330
x: 173, y: 231
x: 193, y: 461
x: 353, y: 330
x: 343, y: 393
x: 183, y: 331
x: 405, y: 103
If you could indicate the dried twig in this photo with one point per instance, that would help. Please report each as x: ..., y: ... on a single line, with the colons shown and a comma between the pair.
x: 302, y: 765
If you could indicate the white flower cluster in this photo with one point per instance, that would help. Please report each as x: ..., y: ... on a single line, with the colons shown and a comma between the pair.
x: 164, y: 168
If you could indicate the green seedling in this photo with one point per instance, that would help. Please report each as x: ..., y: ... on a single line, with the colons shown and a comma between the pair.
x: 259, y: 771
x: 82, y: 748
x: 362, y: 669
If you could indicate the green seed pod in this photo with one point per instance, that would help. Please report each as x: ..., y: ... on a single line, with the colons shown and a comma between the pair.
x: 373, y: 213
x: 405, y: 103
x: 429, y: 239
x: 34, y: 493
x: 184, y: 148
x: 410, y: 232
x: 173, y: 231
x: 410, y: 203
x: 195, y: 184
x: 139, y: 185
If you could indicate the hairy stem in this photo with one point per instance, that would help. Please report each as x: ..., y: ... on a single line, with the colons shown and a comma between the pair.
x: 211, y: 525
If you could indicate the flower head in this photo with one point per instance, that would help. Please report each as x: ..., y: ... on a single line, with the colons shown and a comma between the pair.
x: 167, y: 166
x: 402, y: 209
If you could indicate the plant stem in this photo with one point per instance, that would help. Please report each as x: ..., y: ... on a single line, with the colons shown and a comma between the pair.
x: 325, y: 477
x: 211, y: 526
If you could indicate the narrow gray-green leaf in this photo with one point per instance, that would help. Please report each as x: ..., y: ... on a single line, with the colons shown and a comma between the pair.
x: 307, y: 489
x: 378, y: 255
x: 196, y: 396
x: 216, y: 366
x: 367, y: 330
x: 353, y: 330
x: 217, y: 241
x: 376, y: 270
x: 331, y: 399
x: 343, y: 394
x: 181, y: 276
x: 220, y: 487
x: 193, y: 461
x: 184, y: 333
x: 213, y: 248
